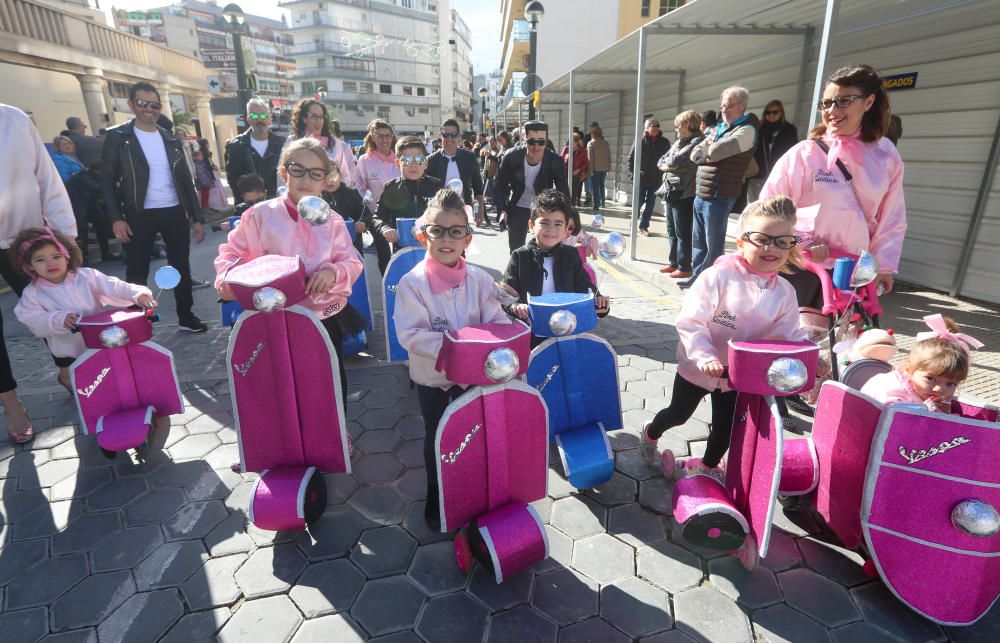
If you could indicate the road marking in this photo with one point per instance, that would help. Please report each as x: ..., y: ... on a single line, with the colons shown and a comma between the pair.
x: 636, y: 285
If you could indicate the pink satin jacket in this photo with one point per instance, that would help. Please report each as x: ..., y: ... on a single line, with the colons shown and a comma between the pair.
x: 373, y: 173
x: 894, y: 386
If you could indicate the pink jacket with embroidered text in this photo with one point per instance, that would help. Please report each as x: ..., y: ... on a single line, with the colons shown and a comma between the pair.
x: 728, y: 301
x: 273, y: 227
x: 894, y: 386
x: 44, y: 305
x: 422, y: 317
x: 374, y: 171
x: 805, y: 175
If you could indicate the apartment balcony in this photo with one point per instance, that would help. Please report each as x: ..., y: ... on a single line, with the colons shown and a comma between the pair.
x: 382, y: 99
x: 317, y: 47
x: 518, y: 50
x: 353, y: 3
x: 307, y: 73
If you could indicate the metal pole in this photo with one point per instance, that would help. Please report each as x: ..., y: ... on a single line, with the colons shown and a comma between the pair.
x: 640, y: 98
x: 681, y: 79
x: 569, y: 127
x: 800, y: 90
x: 829, y: 29
x: 241, y: 70
x: 519, y: 121
x: 533, y: 50
x: 978, y: 213
x: 618, y: 144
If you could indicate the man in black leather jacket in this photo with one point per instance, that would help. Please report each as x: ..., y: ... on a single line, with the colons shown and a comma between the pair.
x: 255, y: 151
x: 148, y: 190
x: 466, y: 167
x: 512, y: 196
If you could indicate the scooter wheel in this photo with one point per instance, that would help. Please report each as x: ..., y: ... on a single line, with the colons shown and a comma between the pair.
x: 314, y: 503
x: 747, y: 553
x: 463, y: 551
x: 110, y: 455
x: 869, y: 568
x: 668, y: 465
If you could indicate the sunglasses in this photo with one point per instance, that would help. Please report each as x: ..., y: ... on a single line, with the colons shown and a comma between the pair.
x: 258, y: 117
x: 842, y: 102
x: 143, y: 104
x: 761, y: 240
x: 456, y: 232
x: 772, y: 112
x: 538, y: 142
x: 299, y: 171
x: 449, y: 134
x: 412, y: 159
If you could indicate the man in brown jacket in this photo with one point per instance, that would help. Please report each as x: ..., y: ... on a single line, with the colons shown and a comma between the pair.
x: 723, y: 159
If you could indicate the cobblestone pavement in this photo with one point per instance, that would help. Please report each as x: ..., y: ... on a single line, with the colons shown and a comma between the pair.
x: 157, y: 546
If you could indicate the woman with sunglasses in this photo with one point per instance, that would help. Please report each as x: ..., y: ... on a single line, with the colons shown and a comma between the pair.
x: 776, y: 136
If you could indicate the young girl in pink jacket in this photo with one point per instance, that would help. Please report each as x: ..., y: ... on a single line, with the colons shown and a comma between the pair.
x: 441, y: 293
x: 61, y: 292
x: 274, y: 227
x: 938, y: 362
x: 739, y: 298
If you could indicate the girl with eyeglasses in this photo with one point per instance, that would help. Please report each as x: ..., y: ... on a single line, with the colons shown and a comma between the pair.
x: 441, y: 293
x: 275, y: 227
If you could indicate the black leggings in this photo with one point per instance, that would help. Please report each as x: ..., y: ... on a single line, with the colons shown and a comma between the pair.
x: 17, y: 282
x: 683, y: 402
x: 332, y: 326
x: 433, y: 402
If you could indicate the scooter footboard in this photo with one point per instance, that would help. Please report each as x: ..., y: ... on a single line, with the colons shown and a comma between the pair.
x: 509, y: 539
x: 799, y: 468
x: 586, y: 456
x: 706, y: 514
x: 287, y: 499
x: 124, y: 430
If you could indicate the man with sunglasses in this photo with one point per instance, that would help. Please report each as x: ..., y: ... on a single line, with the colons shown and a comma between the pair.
x: 452, y: 162
x: 525, y: 171
x: 255, y: 151
x: 148, y: 189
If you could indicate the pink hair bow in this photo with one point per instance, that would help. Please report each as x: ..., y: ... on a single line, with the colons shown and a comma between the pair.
x: 48, y: 236
x: 939, y: 329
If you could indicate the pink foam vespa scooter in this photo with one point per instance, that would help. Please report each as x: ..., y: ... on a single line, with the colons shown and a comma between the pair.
x: 124, y: 380
x: 492, y: 451
x: 287, y: 399
x: 735, y: 513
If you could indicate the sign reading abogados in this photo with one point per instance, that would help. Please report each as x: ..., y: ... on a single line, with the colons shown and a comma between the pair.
x: 900, y: 81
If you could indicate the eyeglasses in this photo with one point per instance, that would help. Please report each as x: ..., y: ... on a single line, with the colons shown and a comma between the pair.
x: 654, y: 126
x: 449, y: 134
x: 538, y: 142
x: 761, y: 240
x: 314, y: 115
x: 412, y: 159
x: 841, y: 101
x: 299, y: 171
x: 384, y: 137
x: 143, y: 104
x: 772, y: 112
x: 258, y: 117
x: 456, y: 232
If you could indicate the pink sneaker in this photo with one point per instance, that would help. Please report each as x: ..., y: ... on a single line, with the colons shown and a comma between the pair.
x: 647, y: 447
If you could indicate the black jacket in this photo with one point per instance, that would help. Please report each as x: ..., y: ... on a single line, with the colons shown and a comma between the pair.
x: 348, y: 204
x: 468, y: 170
x: 126, y: 174
x: 651, y: 176
x: 509, y: 185
x: 526, y: 266
x: 773, y: 140
x: 243, y: 159
x: 403, y: 198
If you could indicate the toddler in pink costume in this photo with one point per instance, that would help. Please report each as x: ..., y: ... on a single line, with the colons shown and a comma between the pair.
x: 739, y: 298
x: 938, y: 363
x: 441, y: 293
x: 61, y: 292
x: 578, y: 237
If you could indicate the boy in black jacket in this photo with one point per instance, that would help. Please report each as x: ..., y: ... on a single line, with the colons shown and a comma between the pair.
x: 545, y: 264
x: 408, y: 195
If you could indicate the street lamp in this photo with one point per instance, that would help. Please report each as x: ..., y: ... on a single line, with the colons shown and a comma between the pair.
x: 234, y: 15
x: 533, y: 11
x: 482, y: 105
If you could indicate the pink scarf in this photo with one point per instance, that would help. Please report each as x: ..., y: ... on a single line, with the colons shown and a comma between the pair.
x: 442, y: 277
x: 849, y: 149
x: 291, y: 209
x: 760, y: 273
x: 384, y: 158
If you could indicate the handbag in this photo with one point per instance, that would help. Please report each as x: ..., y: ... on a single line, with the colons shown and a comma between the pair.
x: 217, y: 194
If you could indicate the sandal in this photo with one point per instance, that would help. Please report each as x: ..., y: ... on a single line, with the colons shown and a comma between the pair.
x: 23, y: 436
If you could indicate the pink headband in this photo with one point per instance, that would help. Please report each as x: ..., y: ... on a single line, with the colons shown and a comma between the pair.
x: 939, y: 329
x: 48, y: 236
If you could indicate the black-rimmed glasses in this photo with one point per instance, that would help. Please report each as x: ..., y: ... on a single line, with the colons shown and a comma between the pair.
x: 841, y: 101
x: 456, y: 232
x: 299, y: 171
x: 761, y: 240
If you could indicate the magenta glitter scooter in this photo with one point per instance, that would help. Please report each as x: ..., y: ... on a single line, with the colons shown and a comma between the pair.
x: 287, y: 398
x: 124, y: 382
x: 492, y: 451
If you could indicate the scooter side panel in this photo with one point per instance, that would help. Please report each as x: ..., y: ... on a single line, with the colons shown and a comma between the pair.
x: 93, y: 378
x: 401, y: 263
x: 156, y: 378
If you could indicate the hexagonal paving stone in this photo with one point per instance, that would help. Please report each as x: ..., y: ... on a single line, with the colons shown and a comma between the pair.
x: 413, y: 484
x: 593, y: 630
x: 383, y: 441
x: 45, y: 582
x: 337, y: 628
x: 667, y: 565
x: 383, y: 552
x: 211, y: 485
x: 411, y: 453
x: 636, y: 526
x: 27, y: 625
x: 513, y: 591
x: 222, y: 457
x: 126, y: 548
x: 129, y: 464
x: 92, y: 600
x: 603, y: 558
x: 635, y: 607
x: 631, y: 464
x: 116, y: 495
x: 579, y: 517
x: 18, y: 557
x: 434, y: 569
x: 213, y: 585
x: 619, y: 490
x: 836, y: 563
x: 197, y: 626
x: 209, y: 423
x: 559, y: 486
x: 753, y: 590
x: 705, y: 614
x: 53, y: 436
x: 818, y: 597
x: 657, y: 495
x: 864, y: 632
x: 782, y: 552
x: 339, y: 488
x: 229, y: 536
x: 176, y: 475
x: 263, y: 620
x: 85, y: 533
x: 560, y: 551
x: 986, y: 628
x: 194, y: 447
x: 81, y: 484
x: 327, y: 588
x: 411, y: 427
x: 47, y: 519
x: 379, y: 503
x: 883, y: 610
x: 452, y: 618
x: 170, y: 565
x: 381, y: 467
x: 50, y: 473
x: 332, y: 535
x: 143, y: 617
x: 566, y: 596
x: 387, y: 604
x: 645, y: 389
x: 415, y: 524
x: 270, y: 570
x: 154, y: 507
x: 379, y: 418
x: 521, y: 624
x: 195, y: 519
x: 782, y: 624
x: 87, y: 635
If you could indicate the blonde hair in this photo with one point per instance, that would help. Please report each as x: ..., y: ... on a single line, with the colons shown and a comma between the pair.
x: 59, y: 139
x: 446, y: 200
x: 689, y: 119
x: 775, y: 208
x: 309, y: 144
x: 941, y: 356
